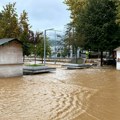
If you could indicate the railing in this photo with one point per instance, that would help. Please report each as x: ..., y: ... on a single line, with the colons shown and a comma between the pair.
x: 29, y: 59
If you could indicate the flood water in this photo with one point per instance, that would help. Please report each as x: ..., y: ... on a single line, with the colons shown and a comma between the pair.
x: 86, y: 94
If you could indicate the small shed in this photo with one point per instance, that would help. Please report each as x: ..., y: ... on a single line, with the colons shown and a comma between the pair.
x: 117, y: 58
x: 11, y: 57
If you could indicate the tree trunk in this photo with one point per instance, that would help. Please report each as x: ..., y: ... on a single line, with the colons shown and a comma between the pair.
x: 23, y: 58
x: 76, y: 55
x: 101, y: 56
x: 35, y: 53
x: 42, y: 60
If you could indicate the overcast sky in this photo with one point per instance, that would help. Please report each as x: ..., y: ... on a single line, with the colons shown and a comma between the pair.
x: 42, y: 14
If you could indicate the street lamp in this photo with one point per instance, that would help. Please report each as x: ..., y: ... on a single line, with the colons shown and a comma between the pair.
x: 45, y: 43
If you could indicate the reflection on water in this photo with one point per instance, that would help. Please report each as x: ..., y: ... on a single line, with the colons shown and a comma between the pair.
x: 88, y: 94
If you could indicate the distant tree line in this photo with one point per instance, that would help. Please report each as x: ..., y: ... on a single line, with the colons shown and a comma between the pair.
x: 95, y: 24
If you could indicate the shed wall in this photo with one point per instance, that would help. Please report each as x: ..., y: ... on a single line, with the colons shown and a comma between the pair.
x: 11, y: 70
x: 11, y: 53
x: 11, y: 59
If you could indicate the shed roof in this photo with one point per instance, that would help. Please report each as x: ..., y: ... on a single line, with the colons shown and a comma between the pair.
x: 7, y: 40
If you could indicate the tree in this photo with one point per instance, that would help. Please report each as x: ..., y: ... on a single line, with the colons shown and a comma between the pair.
x: 14, y: 27
x: 75, y: 6
x: 24, y: 33
x: 40, y: 47
x: 75, y: 39
x: 98, y: 24
x: 0, y: 15
x: 9, y: 22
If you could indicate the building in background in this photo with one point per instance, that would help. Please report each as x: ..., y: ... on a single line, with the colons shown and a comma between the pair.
x: 117, y: 56
x: 56, y: 46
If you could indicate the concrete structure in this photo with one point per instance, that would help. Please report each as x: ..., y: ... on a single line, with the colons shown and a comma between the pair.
x: 11, y: 58
x: 30, y: 70
x: 117, y: 58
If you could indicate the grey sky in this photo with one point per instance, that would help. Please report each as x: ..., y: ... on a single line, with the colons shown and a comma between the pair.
x: 43, y: 14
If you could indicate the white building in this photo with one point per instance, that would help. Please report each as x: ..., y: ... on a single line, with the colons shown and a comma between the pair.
x: 117, y: 58
x: 11, y: 57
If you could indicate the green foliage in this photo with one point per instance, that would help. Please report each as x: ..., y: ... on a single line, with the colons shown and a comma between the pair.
x: 75, y: 6
x: 98, y: 24
x: 40, y: 47
x: 65, y: 52
x: 74, y: 38
x: 24, y: 33
x: 9, y: 22
x: 13, y: 26
x: 0, y: 15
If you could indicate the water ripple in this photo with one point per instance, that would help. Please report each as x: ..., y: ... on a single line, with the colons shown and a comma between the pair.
x: 43, y: 101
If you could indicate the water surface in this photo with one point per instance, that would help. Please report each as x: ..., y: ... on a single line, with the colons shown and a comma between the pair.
x: 87, y: 94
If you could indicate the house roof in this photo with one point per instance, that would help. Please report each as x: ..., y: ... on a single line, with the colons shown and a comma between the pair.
x: 7, y: 40
x: 117, y: 49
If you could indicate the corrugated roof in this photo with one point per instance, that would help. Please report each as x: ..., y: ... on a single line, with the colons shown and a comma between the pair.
x: 7, y: 40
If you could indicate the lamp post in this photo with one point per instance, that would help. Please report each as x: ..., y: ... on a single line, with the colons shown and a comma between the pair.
x: 45, y: 44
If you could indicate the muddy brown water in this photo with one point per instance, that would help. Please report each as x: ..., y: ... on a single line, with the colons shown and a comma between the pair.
x: 87, y: 94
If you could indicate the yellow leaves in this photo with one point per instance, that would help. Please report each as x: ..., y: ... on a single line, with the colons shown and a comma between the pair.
x: 75, y: 6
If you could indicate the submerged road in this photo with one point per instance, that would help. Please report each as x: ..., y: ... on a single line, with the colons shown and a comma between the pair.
x: 84, y: 94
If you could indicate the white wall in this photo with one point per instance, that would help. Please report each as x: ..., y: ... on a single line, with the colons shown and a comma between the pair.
x: 118, y: 60
x: 11, y: 70
x: 11, y: 53
x: 11, y: 60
